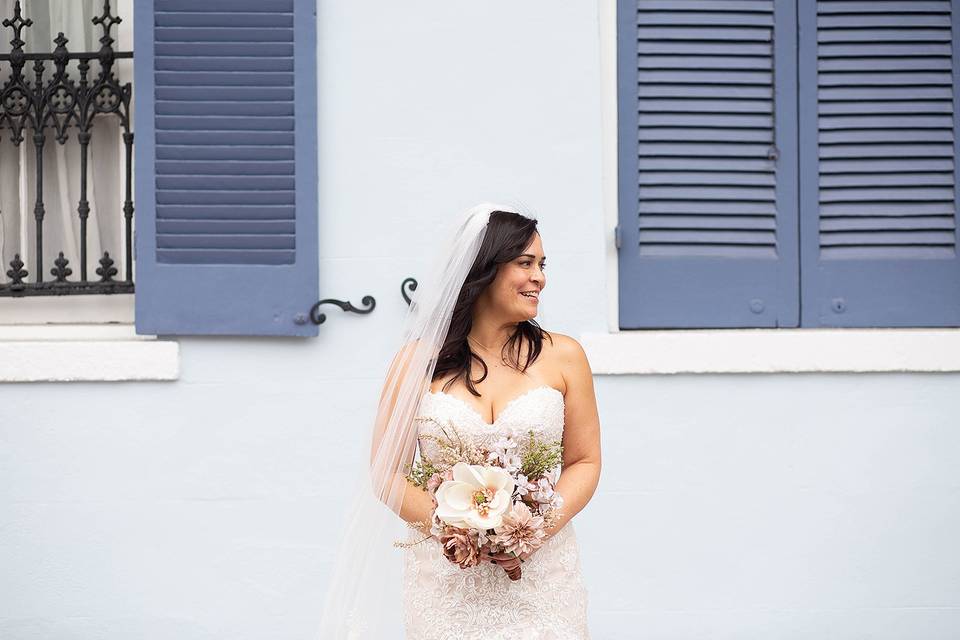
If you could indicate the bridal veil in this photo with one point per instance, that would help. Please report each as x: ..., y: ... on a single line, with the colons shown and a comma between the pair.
x: 364, y: 592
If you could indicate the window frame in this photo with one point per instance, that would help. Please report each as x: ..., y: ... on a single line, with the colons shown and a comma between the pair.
x: 670, y: 351
x: 83, y: 337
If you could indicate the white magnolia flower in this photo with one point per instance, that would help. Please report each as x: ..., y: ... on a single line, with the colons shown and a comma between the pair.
x: 476, y: 498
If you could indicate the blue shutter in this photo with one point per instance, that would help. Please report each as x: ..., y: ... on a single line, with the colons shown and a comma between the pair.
x: 707, y: 216
x: 226, y: 166
x: 878, y: 85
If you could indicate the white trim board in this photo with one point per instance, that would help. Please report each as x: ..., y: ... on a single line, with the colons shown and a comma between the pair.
x: 79, y: 352
x: 772, y: 350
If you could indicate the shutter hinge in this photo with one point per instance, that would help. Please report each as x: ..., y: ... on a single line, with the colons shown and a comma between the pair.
x: 616, y: 236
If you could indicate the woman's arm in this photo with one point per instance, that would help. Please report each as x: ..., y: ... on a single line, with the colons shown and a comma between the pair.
x: 580, y: 472
x: 387, y: 468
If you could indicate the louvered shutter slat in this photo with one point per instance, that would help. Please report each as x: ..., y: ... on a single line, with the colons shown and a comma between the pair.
x: 708, y: 230
x: 878, y: 164
x: 226, y: 166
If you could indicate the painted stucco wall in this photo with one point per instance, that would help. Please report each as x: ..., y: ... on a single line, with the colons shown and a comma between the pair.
x: 730, y: 506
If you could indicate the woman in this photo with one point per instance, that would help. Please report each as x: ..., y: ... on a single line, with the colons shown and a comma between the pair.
x: 474, y: 358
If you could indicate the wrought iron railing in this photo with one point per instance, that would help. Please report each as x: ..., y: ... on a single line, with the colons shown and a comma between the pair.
x: 56, y: 105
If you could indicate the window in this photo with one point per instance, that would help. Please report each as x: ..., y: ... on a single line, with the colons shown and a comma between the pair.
x: 80, y: 163
x: 225, y: 181
x: 225, y: 171
x: 786, y: 164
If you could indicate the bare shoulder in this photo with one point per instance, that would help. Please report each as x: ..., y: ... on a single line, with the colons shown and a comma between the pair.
x: 569, y: 358
x: 565, y: 347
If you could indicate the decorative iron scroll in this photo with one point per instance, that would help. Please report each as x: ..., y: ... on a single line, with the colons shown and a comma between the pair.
x: 57, y: 105
x: 411, y: 284
x: 319, y: 318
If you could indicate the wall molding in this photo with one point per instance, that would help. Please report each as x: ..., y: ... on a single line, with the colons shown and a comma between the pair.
x: 772, y: 350
x: 84, y: 352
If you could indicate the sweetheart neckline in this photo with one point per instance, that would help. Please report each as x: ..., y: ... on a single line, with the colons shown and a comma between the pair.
x: 510, y: 402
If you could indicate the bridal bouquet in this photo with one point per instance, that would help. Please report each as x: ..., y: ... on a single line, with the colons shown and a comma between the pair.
x: 490, y: 500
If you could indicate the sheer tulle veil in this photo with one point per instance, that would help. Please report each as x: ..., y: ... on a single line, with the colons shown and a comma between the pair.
x: 363, y: 597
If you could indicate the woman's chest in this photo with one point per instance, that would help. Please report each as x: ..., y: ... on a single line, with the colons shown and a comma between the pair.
x: 444, y: 419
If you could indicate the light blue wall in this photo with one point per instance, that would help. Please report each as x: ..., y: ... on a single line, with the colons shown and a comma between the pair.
x: 730, y: 506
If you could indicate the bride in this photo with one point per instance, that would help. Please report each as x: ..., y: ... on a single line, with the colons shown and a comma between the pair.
x: 472, y: 357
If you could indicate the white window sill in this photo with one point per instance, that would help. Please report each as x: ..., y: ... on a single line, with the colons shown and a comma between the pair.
x: 658, y: 351
x: 84, y: 352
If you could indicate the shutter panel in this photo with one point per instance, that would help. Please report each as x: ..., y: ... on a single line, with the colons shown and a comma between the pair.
x: 707, y: 218
x: 878, y: 83
x: 226, y: 166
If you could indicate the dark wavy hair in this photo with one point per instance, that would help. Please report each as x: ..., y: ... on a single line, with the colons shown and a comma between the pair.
x: 507, y: 235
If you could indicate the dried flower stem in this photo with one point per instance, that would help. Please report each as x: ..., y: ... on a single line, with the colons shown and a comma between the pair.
x: 420, y: 525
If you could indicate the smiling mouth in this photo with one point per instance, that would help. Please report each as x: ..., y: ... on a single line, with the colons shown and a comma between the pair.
x: 530, y: 296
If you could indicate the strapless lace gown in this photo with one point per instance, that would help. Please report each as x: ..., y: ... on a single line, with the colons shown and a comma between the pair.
x: 444, y: 602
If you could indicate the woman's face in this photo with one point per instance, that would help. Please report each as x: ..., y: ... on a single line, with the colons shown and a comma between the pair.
x: 515, y: 290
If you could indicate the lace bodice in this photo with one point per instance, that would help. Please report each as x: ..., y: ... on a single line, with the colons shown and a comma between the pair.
x: 445, y: 602
x: 539, y: 409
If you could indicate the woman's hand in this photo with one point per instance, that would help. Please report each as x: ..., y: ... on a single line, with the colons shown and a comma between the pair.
x: 510, y: 562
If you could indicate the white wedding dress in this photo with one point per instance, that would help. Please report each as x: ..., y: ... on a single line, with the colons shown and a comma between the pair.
x: 441, y: 601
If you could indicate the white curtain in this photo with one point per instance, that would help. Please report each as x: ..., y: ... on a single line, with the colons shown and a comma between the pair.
x: 61, y: 163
